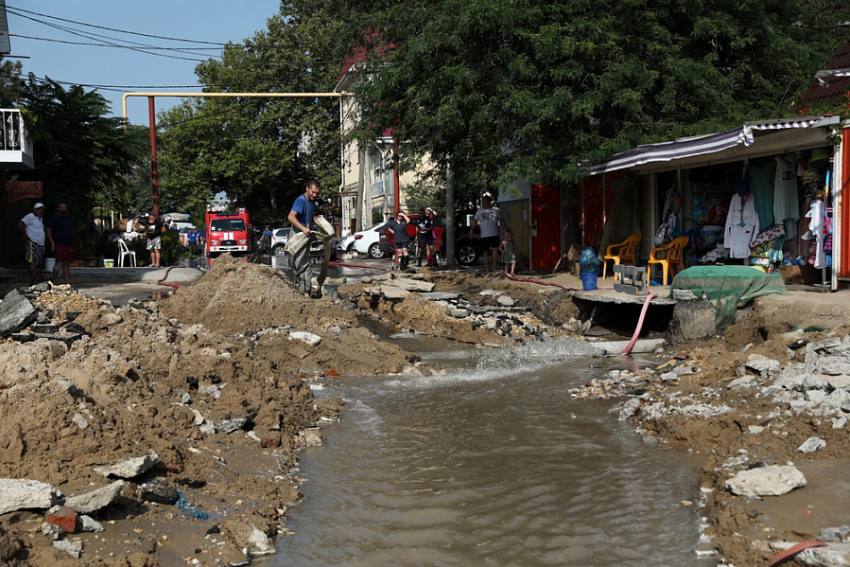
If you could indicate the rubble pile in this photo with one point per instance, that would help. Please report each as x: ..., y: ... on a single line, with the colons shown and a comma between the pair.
x: 200, y: 428
x: 486, y: 316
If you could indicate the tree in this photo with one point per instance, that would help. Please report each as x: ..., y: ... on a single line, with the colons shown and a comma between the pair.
x: 82, y: 155
x: 260, y: 151
x: 492, y: 89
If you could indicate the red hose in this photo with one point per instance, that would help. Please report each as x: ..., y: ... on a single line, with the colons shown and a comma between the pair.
x: 643, y: 311
x: 163, y: 282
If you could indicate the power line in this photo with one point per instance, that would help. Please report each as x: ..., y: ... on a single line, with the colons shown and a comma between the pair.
x: 152, y: 47
x: 13, y: 9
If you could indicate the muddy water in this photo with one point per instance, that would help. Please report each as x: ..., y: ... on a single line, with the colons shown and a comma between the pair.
x: 492, y: 464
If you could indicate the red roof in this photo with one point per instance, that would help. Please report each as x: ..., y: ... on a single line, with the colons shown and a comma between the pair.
x: 838, y: 86
x: 370, y: 40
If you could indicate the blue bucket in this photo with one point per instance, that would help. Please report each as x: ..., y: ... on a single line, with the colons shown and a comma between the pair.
x: 588, y: 281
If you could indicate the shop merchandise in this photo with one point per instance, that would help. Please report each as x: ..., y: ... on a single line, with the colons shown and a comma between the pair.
x: 786, y: 208
x: 742, y: 224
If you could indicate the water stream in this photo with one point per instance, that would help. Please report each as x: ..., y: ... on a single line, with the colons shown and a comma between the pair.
x: 492, y: 464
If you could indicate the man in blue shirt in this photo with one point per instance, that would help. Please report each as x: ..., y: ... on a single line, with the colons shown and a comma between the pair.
x: 301, y: 217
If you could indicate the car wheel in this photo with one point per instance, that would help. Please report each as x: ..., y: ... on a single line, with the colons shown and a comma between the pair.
x: 376, y: 252
x: 278, y: 250
x: 466, y: 254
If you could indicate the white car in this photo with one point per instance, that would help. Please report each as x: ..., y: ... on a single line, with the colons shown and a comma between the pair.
x: 367, y: 242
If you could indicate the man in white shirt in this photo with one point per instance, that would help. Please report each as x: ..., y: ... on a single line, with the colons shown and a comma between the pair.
x: 490, y: 219
x: 32, y: 228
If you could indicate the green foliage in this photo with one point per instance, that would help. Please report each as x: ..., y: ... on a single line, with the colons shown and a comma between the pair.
x: 260, y: 151
x: 492, y: 89
x: 172, y: 249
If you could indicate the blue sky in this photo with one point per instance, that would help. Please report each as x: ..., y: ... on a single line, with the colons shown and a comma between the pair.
x: 214, y: 21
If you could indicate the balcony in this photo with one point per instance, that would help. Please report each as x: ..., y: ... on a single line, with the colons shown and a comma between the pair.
x: 15, y: 146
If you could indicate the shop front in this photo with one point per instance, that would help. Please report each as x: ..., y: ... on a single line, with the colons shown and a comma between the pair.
x: 768, y: 195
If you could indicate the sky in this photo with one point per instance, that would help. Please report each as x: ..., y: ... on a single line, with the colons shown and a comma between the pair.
x: 117, y: 70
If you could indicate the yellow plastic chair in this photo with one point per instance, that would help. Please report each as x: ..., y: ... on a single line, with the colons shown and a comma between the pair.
x: 626, y: 252
x: 669, y: 257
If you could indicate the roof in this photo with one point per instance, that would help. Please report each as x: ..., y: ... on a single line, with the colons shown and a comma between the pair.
x: 708, y: 144
x: 829, y: 87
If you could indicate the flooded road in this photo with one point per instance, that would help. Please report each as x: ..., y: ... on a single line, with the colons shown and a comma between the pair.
x: 490, y: 464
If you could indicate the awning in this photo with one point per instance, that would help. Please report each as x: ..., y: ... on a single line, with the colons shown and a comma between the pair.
x: 699, y: 145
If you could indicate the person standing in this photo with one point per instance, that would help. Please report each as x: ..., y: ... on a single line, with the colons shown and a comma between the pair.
x: 508, y: 250
x: 424, y: 238
x: 153, y: 231
x: 490, y: 218
x: 301, y: 217
x: 401, y: 240
x: 60, y: 235
x: 32, y: 227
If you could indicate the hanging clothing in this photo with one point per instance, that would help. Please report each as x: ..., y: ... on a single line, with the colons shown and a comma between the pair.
x: 817, y: 214
x: 742, y: 223
x: 786, y: 205
x: 762, y: 189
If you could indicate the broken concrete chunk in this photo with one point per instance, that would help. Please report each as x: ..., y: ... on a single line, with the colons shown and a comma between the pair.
x: 25, y: 494
x: 96, y: 499
x: 80, y: 421
x: 158, y: 491
x: 762, y: 364
x: 130, y: 468
x: 74, y: 551
x: 16, y: 312
x: 766, y: 481
x: 249, y: 537
x: 231, y: 425
x: 311, y: 437
x: 811, y: 445
x: 505, y: 300
x: 306, y: 337
x: 88, y: 524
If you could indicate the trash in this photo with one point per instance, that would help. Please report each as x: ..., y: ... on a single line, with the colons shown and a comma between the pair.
x: 188, y: 510
x: 589, y: 262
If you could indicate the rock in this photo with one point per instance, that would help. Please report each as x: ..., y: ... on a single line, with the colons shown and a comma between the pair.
x: 310, y: 437
x: 826, y: 343
x: 505, y: 300
x: 834, y: 365
x: 25, y: 494
x: 158, y: 491
x: 130, y: 468
x: 306, y: 337
x: 833, y: 555
x: 391, y: 292
x: 762, y: 364
x: 742, y: 383
x: 755, y: 429
x: 16, y: 312
x: 840, y: 382
x: 96, y: 499
x: 839, y: 533
x: 80, y: 421
x: 839, y: 422
x: 62, y: 517
x: 74, y: 551
x: 766, y: 481
x: 249, y: 538
x: 409, y: 284
x: 695, y: 319
x: 459, y: 313
x: 231, y: 425
x: 630, y: 408
x: 440, y: 295
x: 88, y: 524
x: 811, y: 445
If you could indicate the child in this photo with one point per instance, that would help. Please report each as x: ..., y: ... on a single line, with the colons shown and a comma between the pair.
x: 508, y: 252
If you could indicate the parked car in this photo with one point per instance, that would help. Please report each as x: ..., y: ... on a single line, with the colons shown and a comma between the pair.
x: 343, y: 244
x: 467, y: 250
x: 280, y: 237
x: 367, y: 242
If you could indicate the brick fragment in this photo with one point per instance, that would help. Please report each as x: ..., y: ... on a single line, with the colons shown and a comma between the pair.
x: 62, y: 517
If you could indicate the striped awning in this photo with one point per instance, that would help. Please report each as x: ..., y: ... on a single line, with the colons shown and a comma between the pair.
x: 699, y: 145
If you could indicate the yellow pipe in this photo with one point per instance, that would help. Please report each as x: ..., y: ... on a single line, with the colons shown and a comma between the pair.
x: 227, y: 95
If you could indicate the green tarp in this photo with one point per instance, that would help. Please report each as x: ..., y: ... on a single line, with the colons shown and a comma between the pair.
x: 726, y: 286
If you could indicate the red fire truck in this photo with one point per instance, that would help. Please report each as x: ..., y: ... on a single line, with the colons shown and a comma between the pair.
x: 227, y: 232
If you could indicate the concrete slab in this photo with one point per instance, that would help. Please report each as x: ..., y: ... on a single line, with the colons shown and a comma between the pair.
x: 616, y: 298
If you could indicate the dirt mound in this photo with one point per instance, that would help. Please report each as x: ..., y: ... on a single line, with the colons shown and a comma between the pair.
x: 222, y: 412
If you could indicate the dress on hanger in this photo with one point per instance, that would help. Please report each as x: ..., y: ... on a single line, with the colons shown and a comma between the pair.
x: 742, y: 223
x: 786, y: 205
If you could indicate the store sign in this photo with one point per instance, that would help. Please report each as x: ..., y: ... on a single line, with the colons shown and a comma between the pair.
x: 20, y: 190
